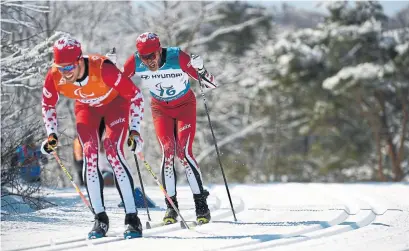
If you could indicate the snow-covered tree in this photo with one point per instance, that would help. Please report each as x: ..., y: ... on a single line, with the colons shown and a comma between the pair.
x: 346, y: 71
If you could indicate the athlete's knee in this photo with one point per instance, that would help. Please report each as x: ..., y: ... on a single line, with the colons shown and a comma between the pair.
x: 90, y: 149
x: 169, y: 148
x: 111, y: 146
x: 180, y: 152
x: 183, y: 153
x: 91, y: 161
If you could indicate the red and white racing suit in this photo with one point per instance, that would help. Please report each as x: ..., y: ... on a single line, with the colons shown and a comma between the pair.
x: 173, y: 108
x: 103, y: 92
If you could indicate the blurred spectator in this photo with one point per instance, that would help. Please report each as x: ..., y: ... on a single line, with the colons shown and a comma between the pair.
x: 27, y: 158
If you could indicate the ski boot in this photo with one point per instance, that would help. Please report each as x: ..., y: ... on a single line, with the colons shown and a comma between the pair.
x: 202, y: 209
x: 134, y: 229
x: 101, y: 226
x: 171, y: 215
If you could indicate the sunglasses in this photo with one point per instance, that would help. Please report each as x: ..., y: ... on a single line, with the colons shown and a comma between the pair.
x: 67, y: 68
x: 151, y: 56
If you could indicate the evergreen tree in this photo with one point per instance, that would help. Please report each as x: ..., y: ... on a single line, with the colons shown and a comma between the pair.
x: 346, y: 71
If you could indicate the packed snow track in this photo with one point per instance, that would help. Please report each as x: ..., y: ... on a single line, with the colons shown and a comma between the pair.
x: 279, y: 216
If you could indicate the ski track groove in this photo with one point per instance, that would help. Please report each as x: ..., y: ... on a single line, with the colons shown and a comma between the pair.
x: 117, y: 235
x: 353, y: 217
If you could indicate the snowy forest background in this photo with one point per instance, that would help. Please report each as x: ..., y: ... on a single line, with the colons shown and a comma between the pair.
x: 302, y: 97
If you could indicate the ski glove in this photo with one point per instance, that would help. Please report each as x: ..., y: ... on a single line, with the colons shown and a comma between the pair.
x: 112, y: 55
x: 207, y: 78
x: 135, y: 142
x: 48, y: 145
x: 197, y: 62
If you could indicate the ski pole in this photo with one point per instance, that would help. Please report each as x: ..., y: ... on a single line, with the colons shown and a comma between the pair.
x: 140, y: 177
x: 215, y: 144
x: 141, y: 157
x: 143, y: 190
x: 72, y: 181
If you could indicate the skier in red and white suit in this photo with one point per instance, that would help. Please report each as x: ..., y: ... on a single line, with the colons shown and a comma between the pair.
x: 166, y: 72
x: 100, y: 90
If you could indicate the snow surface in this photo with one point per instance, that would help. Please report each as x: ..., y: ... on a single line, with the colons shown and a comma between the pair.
x: 292, y: 216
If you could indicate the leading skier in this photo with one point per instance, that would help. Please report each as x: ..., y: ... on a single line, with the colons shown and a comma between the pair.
x: 100, y: 90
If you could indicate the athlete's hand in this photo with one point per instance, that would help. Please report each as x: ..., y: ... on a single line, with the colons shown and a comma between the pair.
x: 112, y: 55
x: 135, y: 142
x: 197, y: 62
x: 48, y: 146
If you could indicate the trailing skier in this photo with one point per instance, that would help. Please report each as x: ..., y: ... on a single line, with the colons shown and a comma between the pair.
x: 166, y: 72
